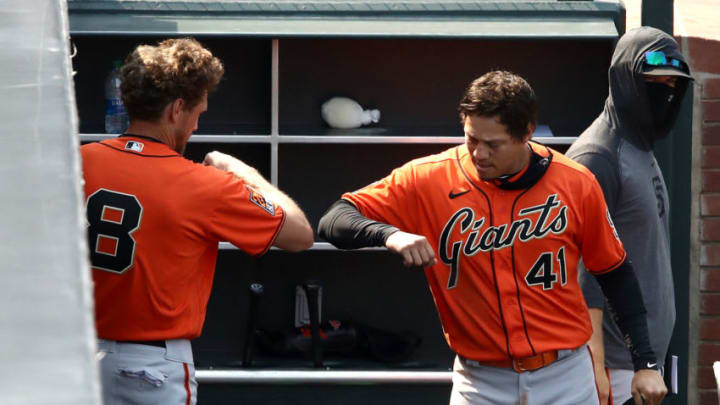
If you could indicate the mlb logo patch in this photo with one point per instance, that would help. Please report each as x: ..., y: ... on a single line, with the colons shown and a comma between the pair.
x: 260, y: 200
x: 134, y: 146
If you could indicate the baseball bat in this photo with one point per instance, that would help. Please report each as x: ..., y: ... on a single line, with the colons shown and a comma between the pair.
x: 312, y: 290
x: 256, y: 290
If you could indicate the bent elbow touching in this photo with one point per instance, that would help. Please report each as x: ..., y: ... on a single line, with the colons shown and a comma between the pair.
x: 296, y: 233
x: 346, y: 228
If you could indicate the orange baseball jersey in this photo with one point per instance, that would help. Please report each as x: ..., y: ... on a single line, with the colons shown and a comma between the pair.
x: 154, y: 223
x: 505, y: 284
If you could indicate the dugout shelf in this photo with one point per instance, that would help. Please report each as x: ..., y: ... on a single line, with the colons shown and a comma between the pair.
x: 283, y: 59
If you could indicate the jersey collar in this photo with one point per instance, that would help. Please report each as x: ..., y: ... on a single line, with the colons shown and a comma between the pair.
x: 540, y: 159
x: 140, y: 145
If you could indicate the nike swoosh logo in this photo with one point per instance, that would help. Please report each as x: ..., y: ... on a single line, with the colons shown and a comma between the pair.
x: 455, y: 195
x: 651, y: 365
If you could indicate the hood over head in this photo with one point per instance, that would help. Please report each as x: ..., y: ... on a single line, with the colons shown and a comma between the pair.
x: 645, y: 112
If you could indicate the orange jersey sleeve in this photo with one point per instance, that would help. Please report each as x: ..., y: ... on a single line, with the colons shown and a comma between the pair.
x: 390, y: 200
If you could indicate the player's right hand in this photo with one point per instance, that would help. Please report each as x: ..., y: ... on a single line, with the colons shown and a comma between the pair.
x: 236, y: 166
x: 648, y: 387
x: 414, y: 249
x: 219, y: 160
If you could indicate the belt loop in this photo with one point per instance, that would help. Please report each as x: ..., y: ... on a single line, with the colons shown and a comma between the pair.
x: 179, y: 350
x: 108, y: 346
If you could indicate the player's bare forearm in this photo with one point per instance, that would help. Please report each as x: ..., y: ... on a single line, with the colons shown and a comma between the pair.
x: 414, y: 249
x: 296, y: 233
x: 648, y: 385
x: 596, y: 340
x: 598, y: 351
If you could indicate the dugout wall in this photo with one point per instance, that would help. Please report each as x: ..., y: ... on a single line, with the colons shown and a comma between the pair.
x: 47, y: 334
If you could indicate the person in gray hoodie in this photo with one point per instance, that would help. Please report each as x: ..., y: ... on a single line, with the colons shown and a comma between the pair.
x: 648, y: 78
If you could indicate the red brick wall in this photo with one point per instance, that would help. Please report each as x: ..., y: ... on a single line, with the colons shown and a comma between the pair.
x: 705, y: 62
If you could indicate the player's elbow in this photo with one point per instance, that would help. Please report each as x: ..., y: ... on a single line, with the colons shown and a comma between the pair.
x: 295, y: 236
x: 304, y: 241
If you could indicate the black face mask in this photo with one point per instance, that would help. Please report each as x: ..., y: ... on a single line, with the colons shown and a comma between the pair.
x: 664, y: 105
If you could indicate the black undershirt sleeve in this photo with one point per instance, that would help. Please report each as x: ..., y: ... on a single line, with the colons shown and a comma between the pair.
x: 625, y: 302
x: 346, y: 228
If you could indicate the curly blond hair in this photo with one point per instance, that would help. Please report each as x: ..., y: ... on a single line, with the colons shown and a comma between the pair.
x: 154, y: 76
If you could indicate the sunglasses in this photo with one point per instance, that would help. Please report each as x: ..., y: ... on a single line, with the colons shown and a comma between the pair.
x: 658, y: 58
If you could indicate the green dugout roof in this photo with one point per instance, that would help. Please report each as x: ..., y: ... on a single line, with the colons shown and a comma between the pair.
x: 351, y: 18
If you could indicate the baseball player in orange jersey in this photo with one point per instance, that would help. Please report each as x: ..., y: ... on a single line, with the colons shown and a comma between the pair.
x: 155, y: 220
x: 500, y: 224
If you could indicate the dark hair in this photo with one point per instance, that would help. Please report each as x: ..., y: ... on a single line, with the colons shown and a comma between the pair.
x: 502, y: 94
x: 154, y: 76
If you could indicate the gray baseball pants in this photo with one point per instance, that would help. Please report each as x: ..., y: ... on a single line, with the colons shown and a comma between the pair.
x: 568, y: 381
x: 134, y: 374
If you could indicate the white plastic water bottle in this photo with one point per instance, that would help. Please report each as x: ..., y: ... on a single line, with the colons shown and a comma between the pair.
x: 116, y: 118
x: 343, y: 112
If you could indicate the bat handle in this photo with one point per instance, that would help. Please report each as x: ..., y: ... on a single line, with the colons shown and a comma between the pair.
x: 256, y: 290
x: 312, y: 290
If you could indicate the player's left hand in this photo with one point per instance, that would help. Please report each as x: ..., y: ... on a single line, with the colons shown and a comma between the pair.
x: 648, y: 385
